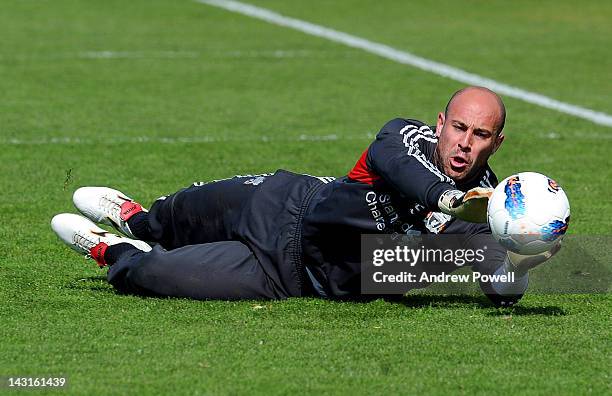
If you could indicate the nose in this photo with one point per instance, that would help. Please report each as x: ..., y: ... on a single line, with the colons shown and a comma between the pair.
x: 465, y: 143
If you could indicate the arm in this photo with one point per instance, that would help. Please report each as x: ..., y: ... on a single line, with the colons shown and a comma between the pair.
x: 495, y: 263
x: 504, y: 294
x: 397, y: 157
x: 500, y: 261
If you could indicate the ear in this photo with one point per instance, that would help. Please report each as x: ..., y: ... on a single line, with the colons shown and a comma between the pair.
x: 440, y: 124
x: 498, y: 142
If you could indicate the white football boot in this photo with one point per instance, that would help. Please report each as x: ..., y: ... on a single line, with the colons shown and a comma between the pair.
x: 87, y: 238
x: 107, y: 206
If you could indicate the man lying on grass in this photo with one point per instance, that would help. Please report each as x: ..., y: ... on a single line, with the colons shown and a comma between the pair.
x: 280, y: 235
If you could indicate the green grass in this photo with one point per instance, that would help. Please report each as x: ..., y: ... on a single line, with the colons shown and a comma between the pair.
x: 58, y: 315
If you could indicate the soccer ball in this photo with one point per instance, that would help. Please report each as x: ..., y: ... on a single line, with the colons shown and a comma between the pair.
x: 528, y: 213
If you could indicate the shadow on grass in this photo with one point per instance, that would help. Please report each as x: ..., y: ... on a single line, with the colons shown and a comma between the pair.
x: 91, y: 283
x: 99, y: 283
x: 461, y: 301
x: 550, y: 310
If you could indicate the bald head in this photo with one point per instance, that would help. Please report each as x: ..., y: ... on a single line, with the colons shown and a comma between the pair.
x: 484, y: 99
x: 469, y: 131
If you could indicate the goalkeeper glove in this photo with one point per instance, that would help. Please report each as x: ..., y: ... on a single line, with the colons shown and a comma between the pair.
x: 469, y: 206
x: 520, y: 264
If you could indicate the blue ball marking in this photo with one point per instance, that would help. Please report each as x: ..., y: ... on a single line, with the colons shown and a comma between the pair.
x: 553, y: 230
x: 515, y: 200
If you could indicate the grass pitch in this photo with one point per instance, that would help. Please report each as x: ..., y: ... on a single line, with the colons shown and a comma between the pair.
x: 149, y: 96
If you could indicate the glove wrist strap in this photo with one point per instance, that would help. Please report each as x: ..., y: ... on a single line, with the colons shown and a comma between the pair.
x: 449, y: 200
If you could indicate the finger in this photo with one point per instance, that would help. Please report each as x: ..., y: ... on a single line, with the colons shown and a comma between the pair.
x: 478, y: 192
x: 555, y: 249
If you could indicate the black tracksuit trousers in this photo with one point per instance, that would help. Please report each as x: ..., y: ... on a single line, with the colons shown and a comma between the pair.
x: 229, y: 239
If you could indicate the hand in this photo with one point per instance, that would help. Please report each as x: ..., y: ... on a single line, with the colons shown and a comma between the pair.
x: 521, y: 264
x: 469, y: 206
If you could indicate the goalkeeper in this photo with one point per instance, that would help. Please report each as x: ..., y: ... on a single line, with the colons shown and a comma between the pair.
x: 280, y: 235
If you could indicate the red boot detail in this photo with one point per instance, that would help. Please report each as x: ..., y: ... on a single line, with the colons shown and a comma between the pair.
x: 129, y: 209
x: 97, y: 253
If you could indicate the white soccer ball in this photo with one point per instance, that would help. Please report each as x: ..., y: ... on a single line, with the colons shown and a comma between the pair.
x: 528, y: 213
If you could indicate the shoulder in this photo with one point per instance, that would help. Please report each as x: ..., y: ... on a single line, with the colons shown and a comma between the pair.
x: 409, y: 130
x: 397, y: 124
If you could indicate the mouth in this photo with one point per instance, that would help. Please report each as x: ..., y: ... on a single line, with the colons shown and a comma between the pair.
x: 458, y: 163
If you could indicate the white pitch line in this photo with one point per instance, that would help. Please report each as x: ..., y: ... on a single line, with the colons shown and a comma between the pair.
x: 136, y: 54
x: 205, y: 139
x: 204, y: 54
x: 180, y: 139
x: 280, y: 53
x: 408, y: 58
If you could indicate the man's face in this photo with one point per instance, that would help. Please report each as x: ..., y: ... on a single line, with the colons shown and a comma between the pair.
x: 467, y: 135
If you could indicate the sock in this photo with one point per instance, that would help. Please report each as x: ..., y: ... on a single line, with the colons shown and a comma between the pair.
x: 112, y: 253
x: 139, y: 225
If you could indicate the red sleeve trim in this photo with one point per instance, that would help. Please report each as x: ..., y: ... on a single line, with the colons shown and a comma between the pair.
x: 361, y: 172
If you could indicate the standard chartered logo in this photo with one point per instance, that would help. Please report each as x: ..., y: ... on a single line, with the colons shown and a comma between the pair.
x: 381, y: 206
